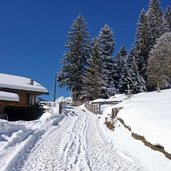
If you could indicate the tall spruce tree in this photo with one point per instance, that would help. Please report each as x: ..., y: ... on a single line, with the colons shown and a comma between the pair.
x: 150, y: 27
x: 167, y: 19
x: 138, y: 82
x: 75, y: 58
x: 155, y: 19
x: 142, y: 44
x: 93, y: 81
x: 125, y: 79
x: 130, y: 76
x: 107, y: 44
x: 119, y: 63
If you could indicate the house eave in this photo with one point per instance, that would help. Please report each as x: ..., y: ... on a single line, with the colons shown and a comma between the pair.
x: 26, y: 91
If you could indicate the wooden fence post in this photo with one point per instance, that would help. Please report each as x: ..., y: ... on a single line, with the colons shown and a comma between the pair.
x: 99, y: 110
x: 60, y: 107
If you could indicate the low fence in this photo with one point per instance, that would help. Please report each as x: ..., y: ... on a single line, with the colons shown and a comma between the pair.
x: 95, y: 108
x: 48, y: 103
x: 58, y: 105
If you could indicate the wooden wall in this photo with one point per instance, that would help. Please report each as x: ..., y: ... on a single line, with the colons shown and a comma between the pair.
x: 23, y: 99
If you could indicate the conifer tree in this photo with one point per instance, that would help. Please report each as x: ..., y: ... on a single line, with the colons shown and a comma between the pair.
x: 150, y: 28
x: 75, y: 58
x: 142, y: 44
x: 167, y: 19
x: 107, y: 44
x: 129, y: 73
x: 138, y: 82
x: 119, y: 63
x: 93, y: 81
x: 155, y: 19
x: 120, y: 58
x: 159, y: 64
x: 125, y: 77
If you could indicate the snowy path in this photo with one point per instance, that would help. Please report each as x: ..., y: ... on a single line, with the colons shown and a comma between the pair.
x: 76, y: 144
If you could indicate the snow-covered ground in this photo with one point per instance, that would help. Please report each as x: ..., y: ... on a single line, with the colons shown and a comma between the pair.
x: 144, y: 157
x: 47, y: 144
x: 149, y: 115
x: 78, y: 140
x: 75, y: 143
x: 18, y: 138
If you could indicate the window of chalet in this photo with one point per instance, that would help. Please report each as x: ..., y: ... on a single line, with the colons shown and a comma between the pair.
x: 32, y: 99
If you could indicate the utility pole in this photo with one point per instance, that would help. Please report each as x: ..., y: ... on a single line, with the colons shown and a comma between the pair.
x: 54, y: 97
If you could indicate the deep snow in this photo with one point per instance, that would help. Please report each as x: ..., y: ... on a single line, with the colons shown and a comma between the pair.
x: 75, y: 144
x: 149, y: 115
x: 79, y: 140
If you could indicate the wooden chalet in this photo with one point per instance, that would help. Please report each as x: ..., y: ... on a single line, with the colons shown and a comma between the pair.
x: 19, y: 96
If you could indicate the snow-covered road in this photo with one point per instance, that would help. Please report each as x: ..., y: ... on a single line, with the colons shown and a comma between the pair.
x: 76, y: 144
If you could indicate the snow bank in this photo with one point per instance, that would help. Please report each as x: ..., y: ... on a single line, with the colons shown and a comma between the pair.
x: 64, y: 99
x: 122, y: 140
x: 9, y: 127
x: 5, y: 96
x: 146, y: 157
x: 45, y: 116
x: 149, y: 115
x: 18, y: 138
x: 117, y: 98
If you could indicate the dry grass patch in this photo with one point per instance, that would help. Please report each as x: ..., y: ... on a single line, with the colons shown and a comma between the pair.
x: 109, y: 124
x: 156, y: 147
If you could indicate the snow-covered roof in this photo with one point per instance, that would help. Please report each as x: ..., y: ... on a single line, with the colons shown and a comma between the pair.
x: 5, y: 96
x: 20, y: 83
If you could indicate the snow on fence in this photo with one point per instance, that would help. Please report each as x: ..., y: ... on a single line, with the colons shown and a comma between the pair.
x: 48, y: 103
x: 95, y: 108
x: 59, y: 106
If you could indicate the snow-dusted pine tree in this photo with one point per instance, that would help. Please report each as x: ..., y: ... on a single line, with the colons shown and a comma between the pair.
x: 167, y: 19
x: 155, y: 19
x: 119, y: 63
x: 75, y: 58
x: 107, y: 44
x: 138, y: 82
x: 125, y: 77
x: 130, y: 76
x: 159, y: 64
x: 93, y: 81
x: 142, y: 44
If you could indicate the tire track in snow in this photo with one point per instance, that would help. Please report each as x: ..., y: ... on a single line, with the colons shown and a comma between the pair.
x: 73, y: 151
x: 45, y: 154
x: 102, y: 155
x: 77, y: 145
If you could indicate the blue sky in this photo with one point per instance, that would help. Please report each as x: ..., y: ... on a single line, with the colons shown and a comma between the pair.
x: 33, y: 32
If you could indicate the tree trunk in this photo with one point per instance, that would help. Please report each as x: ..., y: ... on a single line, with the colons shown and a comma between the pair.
x: 73, y: 97
x: 158, y: 87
